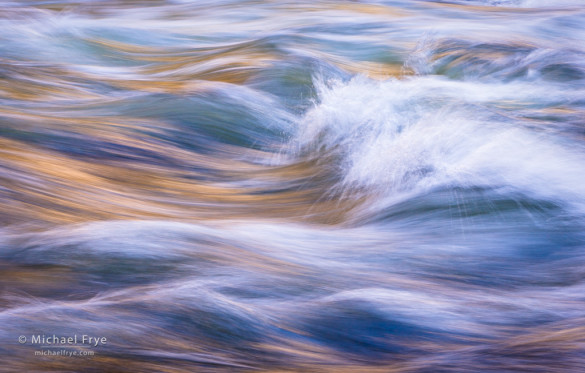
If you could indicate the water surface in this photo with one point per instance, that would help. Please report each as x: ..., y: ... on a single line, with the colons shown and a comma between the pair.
x: 324, y: 186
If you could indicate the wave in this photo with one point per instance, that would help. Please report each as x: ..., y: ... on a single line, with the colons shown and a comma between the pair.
x: 351, y: 294
x: 401, y: 138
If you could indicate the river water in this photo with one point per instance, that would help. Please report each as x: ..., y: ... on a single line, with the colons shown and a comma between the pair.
x: 287, y: 186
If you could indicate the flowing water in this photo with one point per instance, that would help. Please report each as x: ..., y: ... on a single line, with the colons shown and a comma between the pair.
x: 315, y: 186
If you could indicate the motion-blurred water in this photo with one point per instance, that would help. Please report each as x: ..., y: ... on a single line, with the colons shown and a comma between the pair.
x: 324, y: 186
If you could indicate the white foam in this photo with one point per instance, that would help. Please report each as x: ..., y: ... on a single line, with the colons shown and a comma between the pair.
x: 407, y: 136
